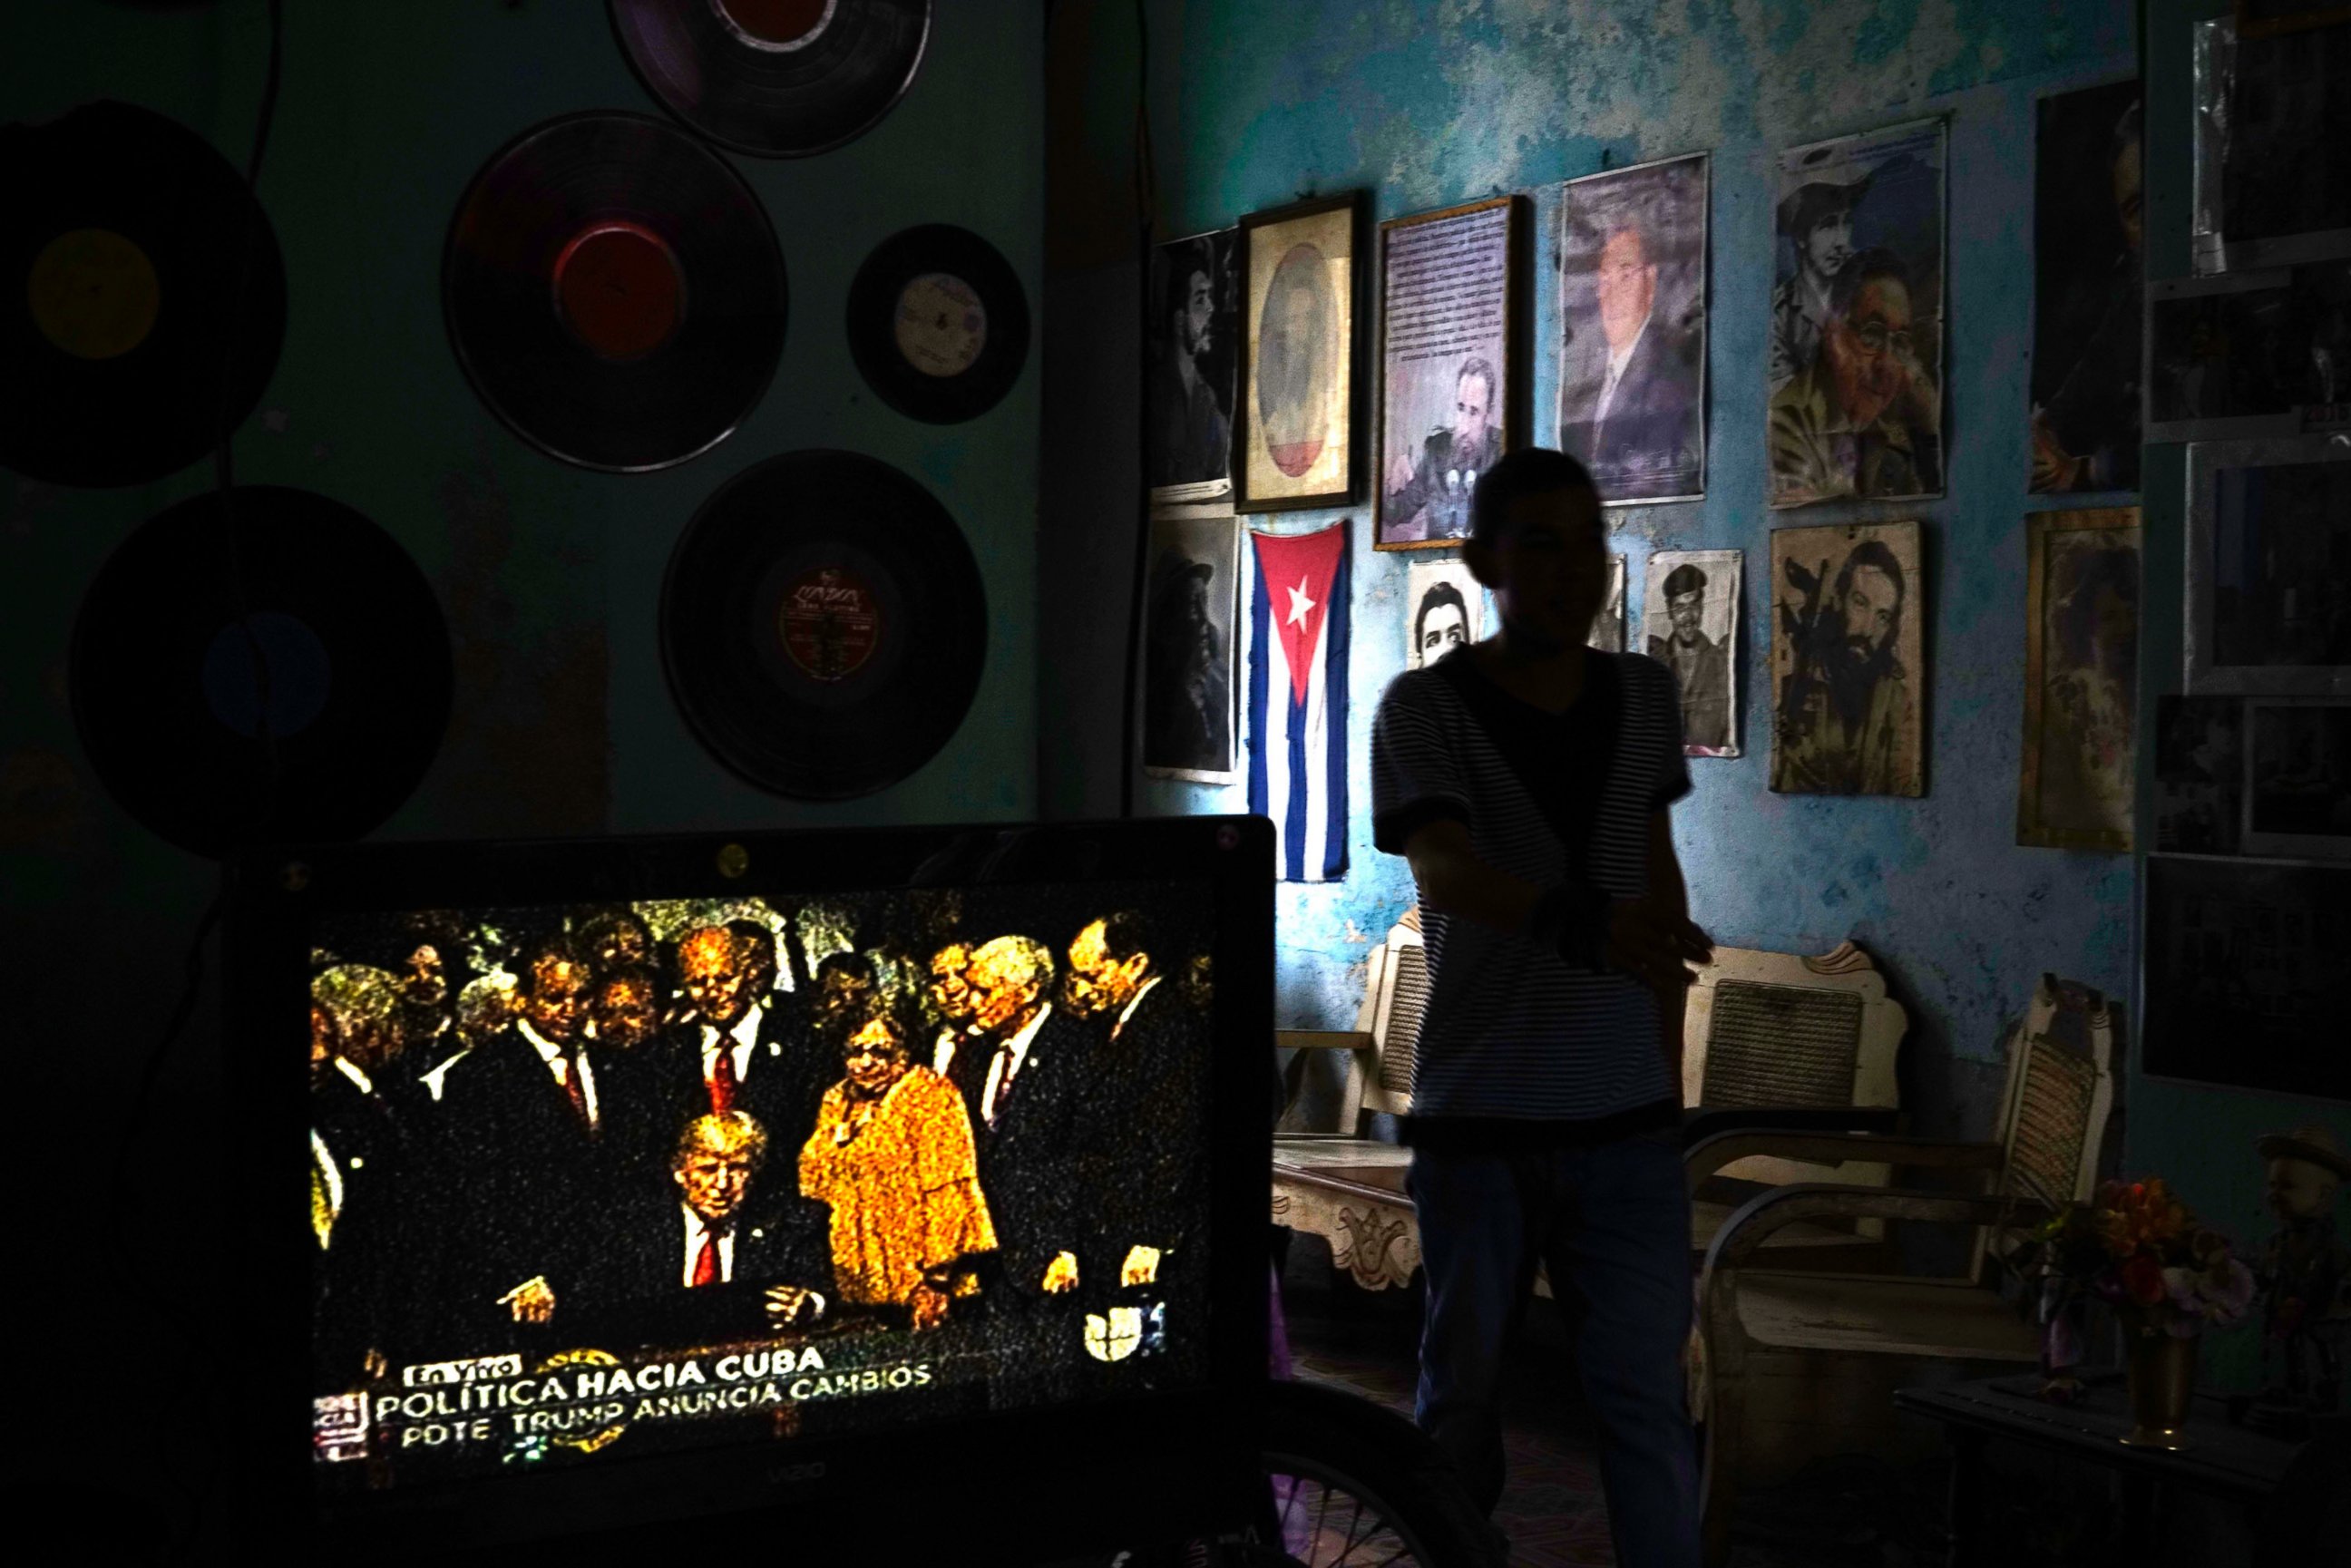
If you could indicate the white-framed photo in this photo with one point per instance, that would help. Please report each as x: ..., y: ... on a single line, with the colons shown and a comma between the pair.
x: 1191, y: 621
x: 1445, y: 609
x: 1689, y: 623
x: 2298, y: 778
x: 1608, y: 626
x: 2269, y: 567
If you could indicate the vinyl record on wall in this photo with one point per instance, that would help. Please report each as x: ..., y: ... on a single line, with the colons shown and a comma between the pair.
x: 270, y: 668
x: 613, y: 291
x: 823, y: 625
x: 778, y: 79
x: 938, y: 323
x: 144, y: 299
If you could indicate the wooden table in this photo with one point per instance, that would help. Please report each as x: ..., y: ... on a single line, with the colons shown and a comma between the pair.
x: 1349, y: 1191
x: 2222, y: 1460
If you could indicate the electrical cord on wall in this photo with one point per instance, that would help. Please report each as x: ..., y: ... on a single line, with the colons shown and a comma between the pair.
x: 1146, y: 200
x: 192, y: 964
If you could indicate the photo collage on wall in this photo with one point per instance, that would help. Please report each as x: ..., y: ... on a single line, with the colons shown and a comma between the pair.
x: 2248, y: 364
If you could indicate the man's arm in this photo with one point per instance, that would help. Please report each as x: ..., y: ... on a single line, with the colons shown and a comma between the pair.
x: 1670, y: 893
x: 1650, y: 938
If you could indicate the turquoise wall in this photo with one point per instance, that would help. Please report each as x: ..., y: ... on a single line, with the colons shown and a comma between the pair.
x: 1424, y: 105
x: 1428, y: 105
x: 550, y: 575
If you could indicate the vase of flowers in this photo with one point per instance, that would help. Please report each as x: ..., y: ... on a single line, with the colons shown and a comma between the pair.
x: 2136, y: 1248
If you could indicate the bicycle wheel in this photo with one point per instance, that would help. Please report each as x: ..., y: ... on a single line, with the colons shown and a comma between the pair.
x: 1356, y: 1486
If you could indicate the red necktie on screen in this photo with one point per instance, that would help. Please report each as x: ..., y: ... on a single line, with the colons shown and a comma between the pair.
x: 723, y: 1081
x: 706, y: 1259
x: 576, y: 1086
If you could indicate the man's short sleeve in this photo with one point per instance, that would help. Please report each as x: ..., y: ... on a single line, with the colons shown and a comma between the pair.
x: 1673, y: 777
x: 1417, y: 776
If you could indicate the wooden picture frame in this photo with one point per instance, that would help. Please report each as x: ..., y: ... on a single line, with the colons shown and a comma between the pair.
x: 1429, y: 363
x: 2238, y: 635
x: 2065, y: 798
x: 1295, y: 404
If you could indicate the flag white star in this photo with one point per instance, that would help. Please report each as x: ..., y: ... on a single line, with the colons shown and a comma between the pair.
x: 1299, y: 605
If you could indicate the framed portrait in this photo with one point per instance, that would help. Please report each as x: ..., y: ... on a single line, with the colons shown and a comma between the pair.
x: 2243, y: 966
x: 1632, y: 308
x: 1608, y: 626
x: 2200, y: 775
x: 2248, y: 355
x: 1295, y: 434
x: 2298, y: 778
x: 2272, y: 180
x: 1848, y: 666
x: 1191, y: 348
x: 1447, y: 387
x: 1191, y: 614
x: 1689, y: 623
x: 2081, y: 680
x: 2269, y: 567
x: 2088, y: 349
x: 1855, y: 348
x: 1448, y: 610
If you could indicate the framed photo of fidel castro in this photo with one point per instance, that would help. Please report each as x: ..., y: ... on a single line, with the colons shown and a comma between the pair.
x: 1294, y: 425
x: 1448, y: 389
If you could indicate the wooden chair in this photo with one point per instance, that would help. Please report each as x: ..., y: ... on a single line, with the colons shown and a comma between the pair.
x: 1771, y: 1039
x: 1343, y: 1187
x: 1800, y: 1364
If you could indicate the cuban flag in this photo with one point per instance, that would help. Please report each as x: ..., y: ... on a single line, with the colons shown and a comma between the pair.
x: 1298, y: 698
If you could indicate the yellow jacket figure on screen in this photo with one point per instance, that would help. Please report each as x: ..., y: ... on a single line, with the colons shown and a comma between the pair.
x: 893, y: 1155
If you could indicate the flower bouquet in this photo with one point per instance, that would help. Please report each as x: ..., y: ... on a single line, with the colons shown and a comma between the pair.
x: 2136, y: 1249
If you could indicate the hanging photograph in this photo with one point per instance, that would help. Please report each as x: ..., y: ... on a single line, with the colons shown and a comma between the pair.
x: 1195, y: 311
x: 2200, y: 775
x: 1446, y: 384
x: 2088, y: 343
x: 1296, y: 428
x: 2273, y: 156
x: 1856, y: 355
x: 2081, y: 679
x: 2269, y: 567
x: 1631, y: 294
x: 1448, y: 608
x: 2243, y: 966
x: 2248, y: 355
x: 1848, y: 676
x: 1689, y: 623
x: 1608, y: 626
x: 2298, y: 790
x: 1191, y: 611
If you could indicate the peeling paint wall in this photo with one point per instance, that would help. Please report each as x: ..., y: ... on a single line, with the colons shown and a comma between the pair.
x: 1426, y: 105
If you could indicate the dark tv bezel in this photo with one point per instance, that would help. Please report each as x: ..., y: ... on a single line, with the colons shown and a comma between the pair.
x: 1106, y: 1474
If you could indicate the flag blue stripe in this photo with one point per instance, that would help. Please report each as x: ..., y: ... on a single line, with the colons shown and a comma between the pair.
x: 1293, y: 812
x: 1335, y: 712
x: 1259, y: 661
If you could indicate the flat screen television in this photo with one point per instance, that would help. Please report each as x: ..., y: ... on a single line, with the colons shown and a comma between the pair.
x: 898, y: 1189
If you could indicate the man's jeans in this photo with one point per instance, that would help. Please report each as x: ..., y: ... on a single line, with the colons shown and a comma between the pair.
x: 1611, y: 1225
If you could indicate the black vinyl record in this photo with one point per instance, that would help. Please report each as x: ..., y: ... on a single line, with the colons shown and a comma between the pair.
x: 615, y: 292
x: 273, y: 669
x: 938, y: 323
x: 142, y: 299
x: 823, y: 625
x: 776, y: 79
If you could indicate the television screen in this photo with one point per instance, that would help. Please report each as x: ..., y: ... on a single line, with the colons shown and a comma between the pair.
x: 761, y: 1159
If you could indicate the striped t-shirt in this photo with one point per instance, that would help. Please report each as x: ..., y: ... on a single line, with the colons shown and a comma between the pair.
x: 1510, y: 1030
